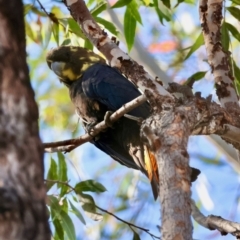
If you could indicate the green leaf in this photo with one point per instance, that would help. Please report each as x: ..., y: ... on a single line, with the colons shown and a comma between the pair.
x: 66, y: 41
x: 108, y: 25
x: 89, y: 185
x: 233, y: 31
x: 77, y: 213
x: 195, y: 77
x: 58, y: 228
x: 88, y: 205
x: 199, y: 42
x: 236, y: 76
x: 55, y: 28
x: 74, y: 27
x: 98, y: 9
x: 235, y: 12
x: 52, y: 174
x: 48, y: 33
x: 130, y: 24
x: 27, y: 8
x: 68, y: 225
x: 225, y: 37
x: 88, y: 44
x: 121, y: 3
x: 62, y: 173
x: 29, y: 31
x: 38, y: 12
x: 136, y: 236
x: 236, y: 2
x: 167, y: 3
x: 160, y: 13
x: 133, y: 8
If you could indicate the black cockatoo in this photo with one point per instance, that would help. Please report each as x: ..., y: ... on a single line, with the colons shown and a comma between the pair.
x: 96, y: 88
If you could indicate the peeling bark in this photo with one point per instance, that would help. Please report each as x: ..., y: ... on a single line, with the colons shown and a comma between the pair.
x: 210, y: 12
x: 23, y: 214
x: 167, y: 135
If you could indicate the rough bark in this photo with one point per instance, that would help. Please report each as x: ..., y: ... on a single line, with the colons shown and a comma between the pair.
x: 210, y: 12
x: 23, y: 214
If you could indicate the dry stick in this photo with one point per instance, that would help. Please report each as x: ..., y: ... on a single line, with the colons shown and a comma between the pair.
x: 69, y: 145
x: 103, y: 210
x: 210, y: 12
x: 215, y: 222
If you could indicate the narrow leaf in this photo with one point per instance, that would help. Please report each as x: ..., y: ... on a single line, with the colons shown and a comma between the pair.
x: 225, y: 37
x: 235, y: 12
x: 88, y: 205
x: 121, y: 3
x: 195, y: 77
x: 29, y: 31
x: 74, y: 27
x: 233, y: 31
x: 55, y: 28
x: 133, y: 8
x: 199, y: 42
x: 129, y: 28
x: 88, y: 44
x: 77, y: 213
x: 58, y: 228
x: 89, y: 185
x: 52, y: 174
x: 136, y: 236
x: 236, y: 76
x: 98, y: 9
x: 68, y: 225
x: 167, y: 3
x: 62, y: 173
x: 108, y: 25
x: 66, y: 41
x: 48, y: 33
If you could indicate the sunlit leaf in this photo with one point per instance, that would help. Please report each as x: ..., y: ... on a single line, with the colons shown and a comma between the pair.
x: 160, y: 13
x: 88, y: 44
x: 108, y: 25
x: 89, y: 185
x: 77, y: 213
x: 67, y: 41
x: 88, y: 205
x: 29, y: 31
x: 121, y: 3
x: 48, y: 33
x: 98, y: 9
x: 225, y: 37
x: 199, y: 42
x: 55, y: 28
x: 133, y: 9
x: 27, y: 8
x: 129, y: 28
x: 74, y: 27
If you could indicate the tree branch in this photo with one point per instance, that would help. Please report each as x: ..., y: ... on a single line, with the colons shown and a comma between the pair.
x: 215, y: 222
x: 115, y: 56
x: 210, y: 12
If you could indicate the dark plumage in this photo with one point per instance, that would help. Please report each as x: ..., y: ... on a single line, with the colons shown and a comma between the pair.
x: 96, y: 88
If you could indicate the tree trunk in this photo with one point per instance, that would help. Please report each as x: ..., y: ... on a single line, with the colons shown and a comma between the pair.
x: 23, y: 212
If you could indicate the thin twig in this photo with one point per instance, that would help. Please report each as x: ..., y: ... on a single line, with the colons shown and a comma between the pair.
x: 103, y: 210
x: 212, y: 222
x: 128, y: 223
x: 69, y: 145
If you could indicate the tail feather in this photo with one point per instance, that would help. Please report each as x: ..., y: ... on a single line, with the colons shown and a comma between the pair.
x: 152, y: 170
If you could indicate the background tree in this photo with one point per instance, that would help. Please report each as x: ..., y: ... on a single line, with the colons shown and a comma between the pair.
x: 39, y: 28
